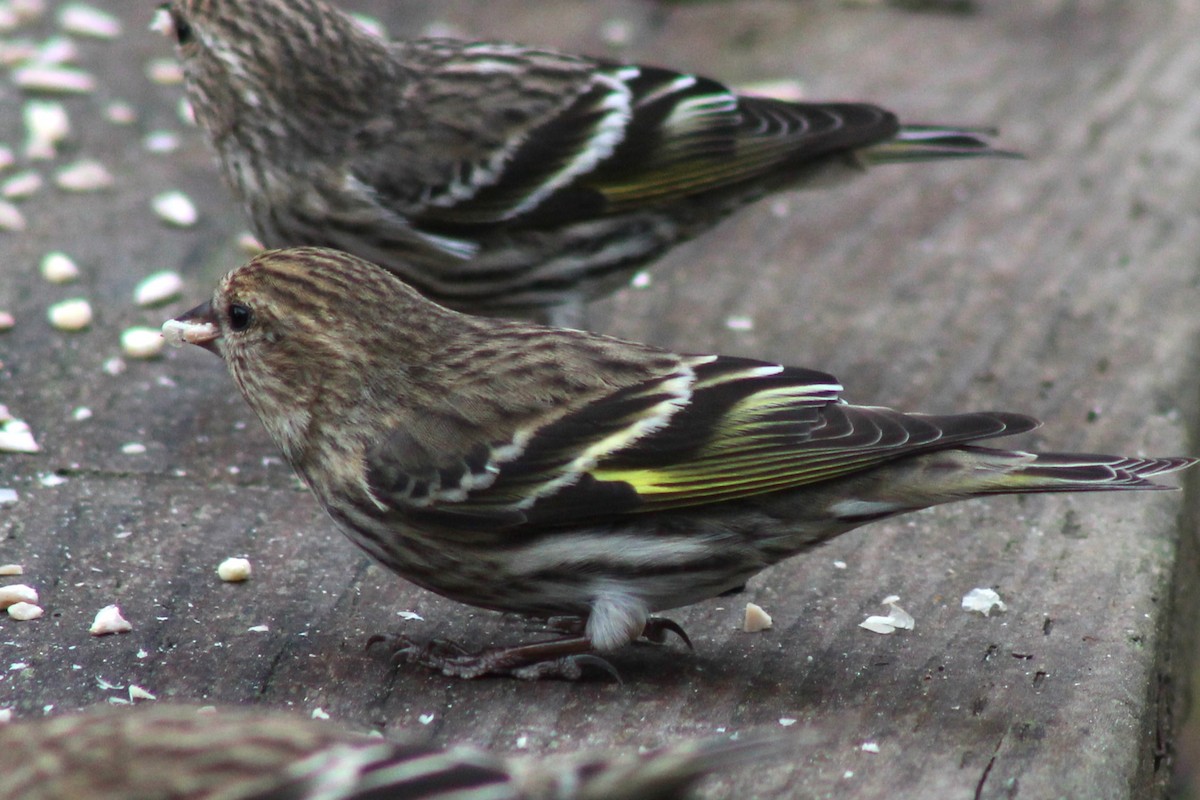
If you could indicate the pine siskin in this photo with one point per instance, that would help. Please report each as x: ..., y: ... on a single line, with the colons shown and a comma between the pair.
x: 181, y: 753
x: 554, y: 472
x: 497, y: 178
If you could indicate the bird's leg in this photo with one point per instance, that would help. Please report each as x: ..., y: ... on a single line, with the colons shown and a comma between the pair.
x: 655, y: 631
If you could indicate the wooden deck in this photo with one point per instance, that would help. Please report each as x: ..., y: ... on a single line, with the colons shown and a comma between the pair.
x: 1066, y: 286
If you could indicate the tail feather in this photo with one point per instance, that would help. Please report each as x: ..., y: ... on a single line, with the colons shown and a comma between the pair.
x: 932, y: 142
x: 1087, y: 472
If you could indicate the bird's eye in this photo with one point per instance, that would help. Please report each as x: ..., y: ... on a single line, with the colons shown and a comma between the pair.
x: 239, y: 316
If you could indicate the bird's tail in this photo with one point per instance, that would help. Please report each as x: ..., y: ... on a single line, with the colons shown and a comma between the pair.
x: 1065, y: 472
x: 932, y: 142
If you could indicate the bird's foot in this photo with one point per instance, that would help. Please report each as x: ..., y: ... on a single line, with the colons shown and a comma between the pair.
x: 565, y: 659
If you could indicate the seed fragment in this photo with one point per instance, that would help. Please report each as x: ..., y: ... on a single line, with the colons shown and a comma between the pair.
x: 71, y: 315
x: 59, y: 268
x: 83, y: 176
x: 139, y: 342
x: 176, y: 208
x: 159, y: 287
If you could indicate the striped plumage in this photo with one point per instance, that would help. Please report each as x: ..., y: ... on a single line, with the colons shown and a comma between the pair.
x: 167, y: 752
x: 561, y: 473
x: 497, y: 178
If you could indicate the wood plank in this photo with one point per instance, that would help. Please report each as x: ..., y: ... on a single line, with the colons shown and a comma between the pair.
x: 1064, y: 286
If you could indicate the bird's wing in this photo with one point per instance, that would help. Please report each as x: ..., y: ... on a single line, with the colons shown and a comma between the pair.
x: 558, y: 139
x: 720, y: 429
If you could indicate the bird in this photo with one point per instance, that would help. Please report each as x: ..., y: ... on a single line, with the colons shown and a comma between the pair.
x: 182, y: 752
x: 572, y: 476
x: 498, y: 178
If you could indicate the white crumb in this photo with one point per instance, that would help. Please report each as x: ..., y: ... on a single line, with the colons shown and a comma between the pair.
x: 11, y: 218
x: 158, y: 287
x: 53, y: 79
x: 984, y: 601
x: 234, y: 570
x: 164, y: 71
x: 48, y: 125
x: 88, y: 21
x: 756, y: 619
x: 83, y: 176
x: 23, y: 612
x: 109, y: 620
x: 22, y: 185
x: 70, y: 315
x: 870, y: 747
x: 138, y: 693
x: 59, y: 267
x: 176, y: 208
x: 319, y: 713
x: 896, y: 619
x: 17, y: 593
x: 139, y: 342
x: 16, y: 437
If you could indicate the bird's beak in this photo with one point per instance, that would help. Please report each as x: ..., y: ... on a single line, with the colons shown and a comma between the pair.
x: 198, y: 326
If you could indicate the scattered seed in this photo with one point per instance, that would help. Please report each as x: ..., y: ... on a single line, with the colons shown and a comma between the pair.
x: 7, y: 321
x: 739, y: 322
x: 83, y: 176
x: 24, y: 612
x: 756, y: 619
x: 616, y: 32
x: 71, y: 315
x: 139, y: 342
x: 641, y: 279
x: 133, y: 448
x: 161, y: 142
x: 158, y: 288
x: 164, y: 71
x: 47, y: 124
x: 109, y: 620
x: 53, y: 79
x: 119, y: 112
x: 113, y: 366
x: 87, y: 21
x: 11, y: 218
x: 984, y: 601
x: 8, y: 497
x: 249, y: 244
x: 50, y: 480
x: 176, y: 208
x: 234, y: 570
x: 7, y: 157
x: 185, y: 112
x: 319, y: 713
x: 870, y: 747
x: 22, y: 185
x: 138, y: 693
x: 81, y: 413
x: 59, y: 268
x: 17, y: 593
x: 11, y: 569
x: 16, y: 437
x: 56, y: 51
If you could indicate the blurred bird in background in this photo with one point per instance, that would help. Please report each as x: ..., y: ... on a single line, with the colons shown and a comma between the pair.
x: 170, y: 752
x: 496, y: 178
